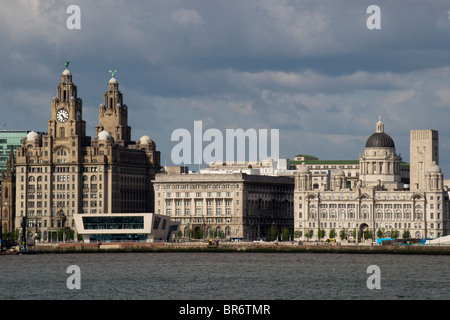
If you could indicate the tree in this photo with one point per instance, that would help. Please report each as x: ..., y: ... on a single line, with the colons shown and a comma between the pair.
x: 332, y: 234
x: 298, y: 234
x: 309, y: 233
x: 320, y: 233
x: 395, y: 233
x: 273, y: 232
x: 406, y: 234
x: 70, y: 234
x: 343, y: 234
x: 380, y: 234
x: 368, y: 234
x: 198, y: 233
x: 285, y: 234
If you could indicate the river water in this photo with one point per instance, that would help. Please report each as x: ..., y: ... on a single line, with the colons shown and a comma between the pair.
x: 224, y: 276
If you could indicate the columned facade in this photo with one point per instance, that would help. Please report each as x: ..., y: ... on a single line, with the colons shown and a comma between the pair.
x: 378, y: 205
x: 226, y: 206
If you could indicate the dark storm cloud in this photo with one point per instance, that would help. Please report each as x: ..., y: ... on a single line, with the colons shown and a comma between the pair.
x: 310, y: 68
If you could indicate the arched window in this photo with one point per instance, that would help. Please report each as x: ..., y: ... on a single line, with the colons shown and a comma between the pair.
x: 379, y: 214
x: 227, y: 231
x: 365, y: 214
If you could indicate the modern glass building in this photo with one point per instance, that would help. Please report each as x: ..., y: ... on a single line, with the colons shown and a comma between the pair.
x: 124, y: 227
x: 10, y: 139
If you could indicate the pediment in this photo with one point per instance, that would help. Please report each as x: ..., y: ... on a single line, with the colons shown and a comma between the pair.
x: 365, y: 196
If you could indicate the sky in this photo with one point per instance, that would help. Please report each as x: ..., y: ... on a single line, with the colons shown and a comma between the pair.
x: 311, y: 69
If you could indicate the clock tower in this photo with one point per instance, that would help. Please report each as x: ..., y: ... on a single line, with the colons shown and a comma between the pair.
x: 113, y: 114
x: 67, y: 110
x: 64, y: 172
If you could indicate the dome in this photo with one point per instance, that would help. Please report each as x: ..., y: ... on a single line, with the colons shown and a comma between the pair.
x: 113, y: 81
x: 66, y: 72
x: 145, y: 139
x: 338, y: 172
x: 31, y: 136
x: 104, y: 135
x: 380, y: 140
x: 434, y: 168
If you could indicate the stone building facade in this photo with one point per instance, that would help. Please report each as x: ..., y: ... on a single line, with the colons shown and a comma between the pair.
x: 379, y: 203
x: 226, y: 206
x: 65, y: 172
x: 7, y: 206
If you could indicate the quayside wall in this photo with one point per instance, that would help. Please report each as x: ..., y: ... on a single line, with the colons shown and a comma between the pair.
x: 239, y: 247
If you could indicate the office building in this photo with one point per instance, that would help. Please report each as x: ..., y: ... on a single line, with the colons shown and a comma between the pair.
x: 379, y: 203
x: 65, y: 172
x: 226, y: 206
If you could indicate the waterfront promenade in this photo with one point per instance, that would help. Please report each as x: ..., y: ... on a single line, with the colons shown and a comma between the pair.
x: 240, y: 247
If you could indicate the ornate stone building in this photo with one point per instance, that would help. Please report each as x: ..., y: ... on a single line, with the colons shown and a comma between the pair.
x: 235, y: 205
x: 379, y: 203
x: 66, y: 172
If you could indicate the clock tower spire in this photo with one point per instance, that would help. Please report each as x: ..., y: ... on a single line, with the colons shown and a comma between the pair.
x: 66, y: 120
x: 113, y: 114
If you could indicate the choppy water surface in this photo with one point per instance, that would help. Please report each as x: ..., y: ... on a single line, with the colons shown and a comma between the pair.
x: 224, y: 276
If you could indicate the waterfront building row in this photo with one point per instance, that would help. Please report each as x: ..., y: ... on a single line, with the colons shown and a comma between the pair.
x: 53, y: 177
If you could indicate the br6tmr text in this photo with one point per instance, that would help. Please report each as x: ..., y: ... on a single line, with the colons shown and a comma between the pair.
x: 246, y: 309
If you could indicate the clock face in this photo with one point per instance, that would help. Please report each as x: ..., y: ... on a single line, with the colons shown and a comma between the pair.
x: 62, y: 115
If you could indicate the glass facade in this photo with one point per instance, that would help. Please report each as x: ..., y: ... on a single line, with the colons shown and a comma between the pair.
x: 9, y: 139
x: 117, y: 223
x: 117, y: 237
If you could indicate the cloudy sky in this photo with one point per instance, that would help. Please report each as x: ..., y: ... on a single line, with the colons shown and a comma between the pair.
x: 311, y: 69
